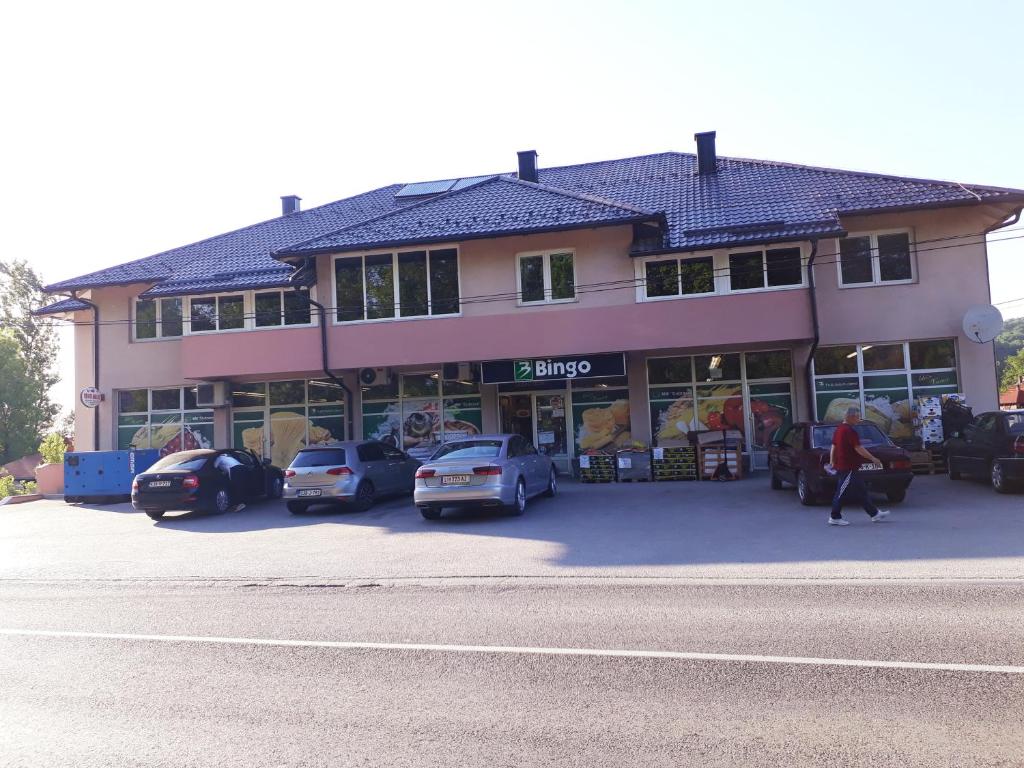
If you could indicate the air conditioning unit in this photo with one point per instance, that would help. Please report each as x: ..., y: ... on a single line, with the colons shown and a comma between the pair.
x: 374, y: 377
x: 459, y: 372
x: 213, y: 394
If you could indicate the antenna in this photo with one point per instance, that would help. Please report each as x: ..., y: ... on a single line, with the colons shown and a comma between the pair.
x: 982, y: 323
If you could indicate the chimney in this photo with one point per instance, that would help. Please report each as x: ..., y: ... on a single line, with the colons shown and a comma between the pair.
x: 528, y: 165
x: 707, y: 160
x: 290, y: 204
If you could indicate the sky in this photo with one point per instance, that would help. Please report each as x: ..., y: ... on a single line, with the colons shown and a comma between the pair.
x: 131, y: 128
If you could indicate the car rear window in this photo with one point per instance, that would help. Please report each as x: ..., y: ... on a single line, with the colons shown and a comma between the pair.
x: 469, y: 449
x: 189, y: 461
x: 1015, y: 423
x: 323, y: 457
x: 869, y: 435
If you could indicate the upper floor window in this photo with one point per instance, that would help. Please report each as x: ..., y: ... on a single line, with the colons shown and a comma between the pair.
x: 680, y: 277
x: 158, y: 318
x: 401, y: 284
x: 177, y: 316
x: 765, y: 268
x: 546, y: 277
x: 876, y: 258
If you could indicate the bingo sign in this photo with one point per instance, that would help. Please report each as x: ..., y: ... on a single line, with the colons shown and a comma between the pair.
x: 90, y: 397
x: 552, y: 368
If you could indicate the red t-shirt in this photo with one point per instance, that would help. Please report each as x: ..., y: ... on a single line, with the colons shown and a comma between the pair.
x: 846, y: 441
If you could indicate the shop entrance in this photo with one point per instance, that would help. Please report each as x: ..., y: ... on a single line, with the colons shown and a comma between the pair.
x: 540, y: 417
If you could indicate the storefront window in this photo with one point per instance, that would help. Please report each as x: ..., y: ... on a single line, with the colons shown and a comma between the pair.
x: 717, y: 367
x: 248, y: 395
x: 287, y: 392
x: 420, y: 385
x: 601, y: 420
x: 166, y: 419
x: 884, y: 398
x: 769, y: 365
x: 669, y: 370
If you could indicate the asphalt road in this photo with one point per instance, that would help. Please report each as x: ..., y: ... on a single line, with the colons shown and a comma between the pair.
x: 748, y: 633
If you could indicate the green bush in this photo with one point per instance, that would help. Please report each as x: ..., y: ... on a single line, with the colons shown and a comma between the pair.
x: 52, y: 448
x: 6, y: 485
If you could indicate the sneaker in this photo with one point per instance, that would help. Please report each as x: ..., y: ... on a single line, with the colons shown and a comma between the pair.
x: 882, y: 514
x: 838, y: 521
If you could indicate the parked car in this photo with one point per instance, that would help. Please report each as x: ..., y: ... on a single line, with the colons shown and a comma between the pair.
x: 801, y: 454
x: 992, y: 446
x: 487, y: 471
x: 205, y: 479
x: 353, y: 472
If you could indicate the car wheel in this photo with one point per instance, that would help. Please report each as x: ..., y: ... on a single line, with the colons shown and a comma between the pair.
x: 999, y: 478
x: 896, y: 496
x: 154, y: 514
x: 803, y: 490
x: 222, y: 500
x: 364, y: 496
x: 776, y: 482
x: 552, y: 484
x: 297, y: 507
x: 276, y: 488
x: 519, y: 505
x: 431, y: 513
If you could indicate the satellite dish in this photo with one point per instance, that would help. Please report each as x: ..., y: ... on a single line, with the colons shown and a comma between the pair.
x: 982, y: 323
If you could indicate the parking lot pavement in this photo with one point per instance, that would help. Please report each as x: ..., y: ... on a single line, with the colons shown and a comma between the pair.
x: 737, y: 530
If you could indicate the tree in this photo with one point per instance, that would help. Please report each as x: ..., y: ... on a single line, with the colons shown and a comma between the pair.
x: 1009, y: 343
x: 18, y: 437
x: 35, y: 346
x: 1013, y: 370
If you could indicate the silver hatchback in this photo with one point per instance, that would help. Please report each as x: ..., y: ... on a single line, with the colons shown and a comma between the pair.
x: 353, y: 472
x: 489, y: 471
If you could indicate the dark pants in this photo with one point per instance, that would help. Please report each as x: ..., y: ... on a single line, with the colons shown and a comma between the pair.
x: 850, y: 487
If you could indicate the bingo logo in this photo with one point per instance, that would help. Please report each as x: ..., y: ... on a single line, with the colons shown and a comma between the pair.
x: 568, y: 370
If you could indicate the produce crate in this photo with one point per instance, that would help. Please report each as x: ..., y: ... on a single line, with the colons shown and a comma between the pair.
x: 597, y: 469
x: 928, y: 462
x: 678, y: 463
x: 710, y: 458
x: 633, y: 466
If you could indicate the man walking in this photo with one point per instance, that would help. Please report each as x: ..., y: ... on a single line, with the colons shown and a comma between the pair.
x: 846, y: 457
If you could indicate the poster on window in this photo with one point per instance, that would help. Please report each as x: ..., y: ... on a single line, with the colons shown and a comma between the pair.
x: 720, y: 407
x: 462, y: 418
x: 247, y: 429
x: 772, y: 413
x: 601, y: 420
x: 891, y: 410
x: 383, y: 421
x: 672, y: 415
x: 326, y: 424
x: 287, y: 434
x: 421, y: 427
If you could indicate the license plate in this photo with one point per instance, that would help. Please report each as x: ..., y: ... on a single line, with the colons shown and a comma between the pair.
x: 160, y: 484
x: 869, y: 467
x: 455, y: 480
x: 310, y: 492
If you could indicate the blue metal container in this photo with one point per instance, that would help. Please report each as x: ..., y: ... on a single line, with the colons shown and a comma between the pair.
x: 103, y: 476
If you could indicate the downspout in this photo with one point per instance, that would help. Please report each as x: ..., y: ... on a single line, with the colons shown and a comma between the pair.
x: 95, y: 367
x: 817, y: 330
x: 349, y: 419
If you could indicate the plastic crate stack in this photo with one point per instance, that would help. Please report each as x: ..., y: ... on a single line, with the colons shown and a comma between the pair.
x: 597, y: 469
x: 678, y: 463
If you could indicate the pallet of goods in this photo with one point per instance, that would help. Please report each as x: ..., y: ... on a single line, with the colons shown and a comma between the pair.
x: 633, y: 465
x: 711, y: 458
x: 674, y: 463
x: 928, y: 420
x: 597, y: 468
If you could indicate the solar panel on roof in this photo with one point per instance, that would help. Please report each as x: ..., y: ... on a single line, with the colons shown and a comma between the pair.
x: 468, y: 182
x: 426, y: 188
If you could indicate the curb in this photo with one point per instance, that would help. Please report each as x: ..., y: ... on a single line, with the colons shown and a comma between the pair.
x: 20, y: 499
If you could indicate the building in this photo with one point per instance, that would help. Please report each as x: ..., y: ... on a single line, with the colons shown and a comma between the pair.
x: 584, y: 306
x: 1012, y: 397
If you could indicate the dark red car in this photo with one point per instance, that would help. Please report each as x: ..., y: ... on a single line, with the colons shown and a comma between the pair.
x: 800, y: 455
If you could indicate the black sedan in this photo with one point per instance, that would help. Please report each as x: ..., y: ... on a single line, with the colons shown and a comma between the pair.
x: 206, y: 480
x: 992, y: 447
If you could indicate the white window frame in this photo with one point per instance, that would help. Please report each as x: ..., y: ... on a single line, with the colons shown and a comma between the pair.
x: 248, y: 309
x: 546, y: 271
x: 394, y: 253
x: 720, y: 265
x: 876, y: 267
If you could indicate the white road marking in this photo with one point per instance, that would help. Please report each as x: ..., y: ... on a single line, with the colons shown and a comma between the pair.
x: 523, y: 650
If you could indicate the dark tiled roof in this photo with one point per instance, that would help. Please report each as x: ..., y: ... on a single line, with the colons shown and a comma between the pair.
x: 64, y: 305
x: 746, y: 201
x: 499, y: 206
x: 192, y: 268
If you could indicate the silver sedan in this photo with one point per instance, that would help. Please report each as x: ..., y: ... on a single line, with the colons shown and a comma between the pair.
x: 489, y: 470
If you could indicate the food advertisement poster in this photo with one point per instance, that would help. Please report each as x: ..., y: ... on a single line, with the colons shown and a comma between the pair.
x: 890, y: 408
x: 672, y: 414
x: 166, y: 433
x: 602, y: 420
x: 772, y: 413
x: 415, y: 425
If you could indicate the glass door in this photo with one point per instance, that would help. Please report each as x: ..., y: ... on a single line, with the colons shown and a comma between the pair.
x: 517, y: 415
x: 552, y: 437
